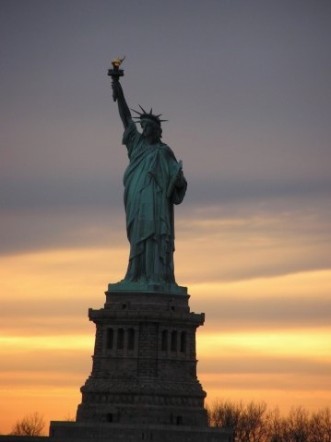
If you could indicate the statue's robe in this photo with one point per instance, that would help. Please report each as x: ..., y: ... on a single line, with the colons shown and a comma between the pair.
x: 153, y: 183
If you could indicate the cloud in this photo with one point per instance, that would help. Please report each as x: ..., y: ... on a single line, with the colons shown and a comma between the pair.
x: 238, y: 190
x: 64, y: 366
x: 35, y: 230
x: 267, y: 313
x: 288, y: 389
x: 245, y: 239
x: 263, y: 365
x: 251, y: 243
x: 287, y: 302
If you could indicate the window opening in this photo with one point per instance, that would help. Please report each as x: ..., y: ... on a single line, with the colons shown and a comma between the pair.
x: 110, y: 338
x: 183, y: 342
x: 110, y: 417
x: 179, y: 420
x: 131, y: 336
x: 120, y: 339
x: 174, y: 341
x: 164, y: 340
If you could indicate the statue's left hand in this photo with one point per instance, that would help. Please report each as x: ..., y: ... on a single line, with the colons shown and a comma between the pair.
x: 180, y: 180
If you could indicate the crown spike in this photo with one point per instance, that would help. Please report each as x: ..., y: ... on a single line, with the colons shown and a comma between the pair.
x: 147, y: 115
x: 137, y: 112
x: 142, y: 109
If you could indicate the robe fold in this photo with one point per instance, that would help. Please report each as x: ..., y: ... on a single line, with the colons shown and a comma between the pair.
x: 153, y: 183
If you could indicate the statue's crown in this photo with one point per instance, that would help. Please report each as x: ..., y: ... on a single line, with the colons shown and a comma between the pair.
x: 148, y: 116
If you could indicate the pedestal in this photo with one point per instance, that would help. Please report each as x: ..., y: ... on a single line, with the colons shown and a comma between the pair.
x: 143, y: 384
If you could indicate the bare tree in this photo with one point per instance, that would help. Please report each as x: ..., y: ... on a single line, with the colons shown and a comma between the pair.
x: 246, y: 422
x: 297, y: 428
x: 31, y: 425
x: 320, y: 426
x: 254, y: 423
x: 225, y: 414
x: 275, y: 426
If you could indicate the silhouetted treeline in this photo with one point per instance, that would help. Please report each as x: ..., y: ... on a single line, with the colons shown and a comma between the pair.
x: 253, y: 422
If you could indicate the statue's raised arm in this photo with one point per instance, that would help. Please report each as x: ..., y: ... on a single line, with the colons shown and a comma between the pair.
x: 118, y: 94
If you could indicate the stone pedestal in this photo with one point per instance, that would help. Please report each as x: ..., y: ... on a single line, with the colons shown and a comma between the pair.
x: 103, y: 432
x: 143, y: 384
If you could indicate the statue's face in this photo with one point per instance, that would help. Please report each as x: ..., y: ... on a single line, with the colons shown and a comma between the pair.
x: 148, y: 129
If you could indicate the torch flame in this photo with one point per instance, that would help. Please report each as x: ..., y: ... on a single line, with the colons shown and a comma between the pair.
x: 117, y: 62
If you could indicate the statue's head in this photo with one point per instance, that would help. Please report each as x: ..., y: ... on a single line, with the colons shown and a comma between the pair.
x: 151, y: 129
x: 150, y: 123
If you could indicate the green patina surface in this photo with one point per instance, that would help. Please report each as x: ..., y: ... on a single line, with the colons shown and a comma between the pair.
x: 154, y: 183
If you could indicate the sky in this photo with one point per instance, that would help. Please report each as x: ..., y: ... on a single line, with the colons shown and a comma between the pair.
x: 246, y: 87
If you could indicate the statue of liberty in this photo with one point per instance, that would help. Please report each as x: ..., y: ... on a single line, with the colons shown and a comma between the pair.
x: 153, y: 183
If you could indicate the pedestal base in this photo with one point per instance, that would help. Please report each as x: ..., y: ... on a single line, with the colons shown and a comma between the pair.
x: 143, y: 385
x: 103, y: 432
x: 144, y: 363
x: 144, y: 287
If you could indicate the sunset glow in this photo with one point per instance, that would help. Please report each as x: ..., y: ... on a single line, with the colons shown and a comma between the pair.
x: 46, y: 351
x: 246, y: 89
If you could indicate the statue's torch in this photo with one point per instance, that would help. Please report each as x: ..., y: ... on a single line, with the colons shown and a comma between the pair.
x: 116, y: 72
